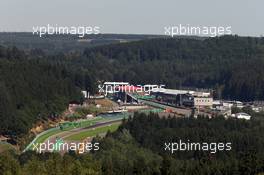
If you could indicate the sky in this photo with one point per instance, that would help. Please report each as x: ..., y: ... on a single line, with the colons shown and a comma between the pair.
x: 246, y: 17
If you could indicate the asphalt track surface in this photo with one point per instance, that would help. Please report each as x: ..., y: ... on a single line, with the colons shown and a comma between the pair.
x: 64, y: 134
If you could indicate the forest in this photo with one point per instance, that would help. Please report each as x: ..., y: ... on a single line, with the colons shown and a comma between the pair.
x: 31, y: 90
x: 55, y: 44
x: 37, y: 85
x: 230, y: 65
x: 136, y: 148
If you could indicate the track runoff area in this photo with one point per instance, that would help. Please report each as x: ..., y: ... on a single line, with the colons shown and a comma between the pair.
x: 81, y: 131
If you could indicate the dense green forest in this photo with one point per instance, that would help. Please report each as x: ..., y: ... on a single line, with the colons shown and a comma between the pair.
x: 231, y: 65
x: 149, y: 133
x: 137, y: 148
x: 31, y: 90
x: 54, y: 44
x: 36, y: 83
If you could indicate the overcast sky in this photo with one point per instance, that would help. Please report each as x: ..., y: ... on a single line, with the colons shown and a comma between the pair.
x: 246, y: 17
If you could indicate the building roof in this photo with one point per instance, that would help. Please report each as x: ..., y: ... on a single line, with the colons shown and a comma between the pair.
x: 172, y: 91
x: 116, y: 83
x: 178, y: 92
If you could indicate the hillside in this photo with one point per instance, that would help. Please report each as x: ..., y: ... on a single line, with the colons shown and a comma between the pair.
x: 31, y: 90
x: 231, y: 65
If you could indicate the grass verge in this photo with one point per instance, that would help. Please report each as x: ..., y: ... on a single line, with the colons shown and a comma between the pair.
x: 93, y: 132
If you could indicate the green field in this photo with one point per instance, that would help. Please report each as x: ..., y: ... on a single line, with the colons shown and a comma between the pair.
x: 43, y: 137
x: 93, y: 132
x: 54, y: 131
x: 81, y: 124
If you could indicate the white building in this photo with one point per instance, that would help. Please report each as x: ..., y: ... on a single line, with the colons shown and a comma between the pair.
x: 203, y: 101
x: 242, y: 116
x: 85, y: 94
x: 185, y: 97
x: 238, y: 104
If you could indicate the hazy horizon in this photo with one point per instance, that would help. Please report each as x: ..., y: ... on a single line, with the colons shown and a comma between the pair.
x: 137, y: 17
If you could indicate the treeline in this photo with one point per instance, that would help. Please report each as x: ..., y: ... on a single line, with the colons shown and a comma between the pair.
x: 31, y: 90
x: 138, y: 148
x: 30, y: 163
x: 231, y: 65
x: 59, y: 43
x: 152, y: 131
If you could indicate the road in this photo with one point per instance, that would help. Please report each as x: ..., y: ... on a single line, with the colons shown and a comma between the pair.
x: 64, y: 134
